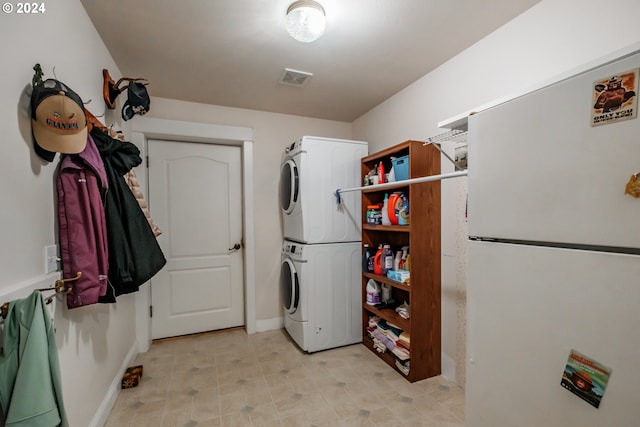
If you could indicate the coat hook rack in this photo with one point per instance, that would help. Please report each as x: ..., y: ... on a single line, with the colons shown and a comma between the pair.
x: 61, y: 287
x: 111, y: 89
x: 93, y: 121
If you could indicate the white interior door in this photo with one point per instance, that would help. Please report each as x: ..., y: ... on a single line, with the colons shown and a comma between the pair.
x: 195, y: 198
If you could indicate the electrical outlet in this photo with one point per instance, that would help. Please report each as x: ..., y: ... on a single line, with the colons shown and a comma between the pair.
x: 50, y: 258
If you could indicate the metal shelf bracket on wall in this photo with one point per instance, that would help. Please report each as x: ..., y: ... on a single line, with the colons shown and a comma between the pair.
x: 454, y: 135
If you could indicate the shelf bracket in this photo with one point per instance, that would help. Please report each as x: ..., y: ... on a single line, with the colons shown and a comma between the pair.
x: 456, y: 135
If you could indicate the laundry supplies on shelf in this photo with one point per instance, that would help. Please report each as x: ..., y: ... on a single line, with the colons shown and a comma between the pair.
x: 415, y: 225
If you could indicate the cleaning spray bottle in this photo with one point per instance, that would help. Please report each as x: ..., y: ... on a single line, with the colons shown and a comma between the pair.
x: 396, y: 260
x: 403, y: 260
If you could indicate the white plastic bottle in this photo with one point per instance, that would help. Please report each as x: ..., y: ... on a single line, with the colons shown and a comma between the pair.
x: 385, y: 212
x: 392, y: 175
x: 373, y: 292
x: 396, y: 261
x: 386, y: 292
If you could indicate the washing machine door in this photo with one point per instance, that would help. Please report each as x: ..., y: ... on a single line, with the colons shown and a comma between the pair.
x: 289, y: 186
x: 289, y: 286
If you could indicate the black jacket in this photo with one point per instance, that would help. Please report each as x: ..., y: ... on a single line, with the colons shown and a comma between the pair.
x: 134, y: 253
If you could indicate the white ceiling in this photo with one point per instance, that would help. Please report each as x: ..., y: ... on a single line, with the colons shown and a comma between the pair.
x: 233, y: 52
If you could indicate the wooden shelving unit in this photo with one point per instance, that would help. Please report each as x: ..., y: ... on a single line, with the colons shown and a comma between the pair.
x: 422, y: 235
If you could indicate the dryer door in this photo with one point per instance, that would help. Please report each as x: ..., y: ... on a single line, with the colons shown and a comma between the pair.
x: 289, y: 186
x: 289, y: 286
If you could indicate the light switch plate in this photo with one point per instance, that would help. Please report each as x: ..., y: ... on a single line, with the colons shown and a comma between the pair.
x: 50, y: 258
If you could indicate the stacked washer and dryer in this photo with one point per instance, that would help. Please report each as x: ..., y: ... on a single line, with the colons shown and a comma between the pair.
x: 321, y: 254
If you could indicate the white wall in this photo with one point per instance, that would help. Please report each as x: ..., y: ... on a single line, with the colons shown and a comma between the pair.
x: 550, y: 39
x: 93, y: 342
x: 271, y: 132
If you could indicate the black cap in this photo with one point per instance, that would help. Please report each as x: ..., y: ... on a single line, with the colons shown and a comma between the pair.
x: 137, y: 101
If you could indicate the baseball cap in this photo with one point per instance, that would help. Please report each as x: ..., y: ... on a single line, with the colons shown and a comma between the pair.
x: 58, y: 121
x: 137, y: 101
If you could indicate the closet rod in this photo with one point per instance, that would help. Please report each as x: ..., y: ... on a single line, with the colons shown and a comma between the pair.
x: 406, y: 181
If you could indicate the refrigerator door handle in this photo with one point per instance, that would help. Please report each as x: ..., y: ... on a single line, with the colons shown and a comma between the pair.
x: 561, y: 245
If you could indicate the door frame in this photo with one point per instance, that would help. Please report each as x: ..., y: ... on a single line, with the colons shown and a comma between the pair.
x: 145, y: 128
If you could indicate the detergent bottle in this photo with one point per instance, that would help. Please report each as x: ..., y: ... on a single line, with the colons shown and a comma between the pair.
x: 366, y: 257
x: 373, y: 292
x: 377, y: 261
x: 385, y: 212
x: 403, y: 212
x: 370, y: 263
x: 392, y: 207
x: 387, y: 259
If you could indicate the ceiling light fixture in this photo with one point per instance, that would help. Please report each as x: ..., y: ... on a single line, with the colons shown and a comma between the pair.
x: 306, y: 20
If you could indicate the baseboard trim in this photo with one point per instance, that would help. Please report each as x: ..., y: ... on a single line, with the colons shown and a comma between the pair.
x: 103, y: 411
x: 448, y: 367
x: 269, y: 324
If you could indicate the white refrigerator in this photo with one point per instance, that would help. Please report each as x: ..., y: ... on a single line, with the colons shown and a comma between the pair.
x: 554, y: 255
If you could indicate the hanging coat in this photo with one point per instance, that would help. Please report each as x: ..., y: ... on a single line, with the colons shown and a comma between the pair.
x: 132, y: 181
x: 134, y: 253
x: 82, y: 185
x: 30, y: 386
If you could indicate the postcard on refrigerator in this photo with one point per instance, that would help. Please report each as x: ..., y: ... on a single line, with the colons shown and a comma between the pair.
x: 585, y: 378
x: 615, y: 98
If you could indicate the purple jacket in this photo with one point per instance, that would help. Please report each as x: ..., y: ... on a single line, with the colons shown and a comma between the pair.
x: 82, y: 184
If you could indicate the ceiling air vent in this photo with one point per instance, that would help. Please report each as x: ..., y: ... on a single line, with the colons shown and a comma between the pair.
x: 295, y: 77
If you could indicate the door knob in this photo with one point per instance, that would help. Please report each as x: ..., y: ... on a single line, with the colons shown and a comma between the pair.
x: 235, y: 247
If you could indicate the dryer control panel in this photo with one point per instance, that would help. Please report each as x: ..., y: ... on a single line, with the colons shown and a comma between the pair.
x: 292, y: 248
x: 293, y: 145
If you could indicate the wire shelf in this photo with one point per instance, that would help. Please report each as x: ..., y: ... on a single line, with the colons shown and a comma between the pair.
x: 454, y: 135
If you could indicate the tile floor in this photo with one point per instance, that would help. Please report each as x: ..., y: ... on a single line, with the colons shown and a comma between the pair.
x: 234, y: 379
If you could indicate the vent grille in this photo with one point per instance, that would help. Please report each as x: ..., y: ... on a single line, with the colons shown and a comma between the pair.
x: 295, y: 77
